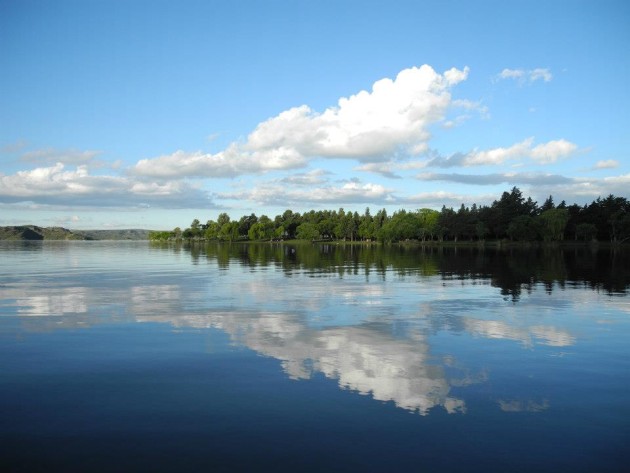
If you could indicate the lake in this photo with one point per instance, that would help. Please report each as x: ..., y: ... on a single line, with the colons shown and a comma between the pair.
x: 128, y: 356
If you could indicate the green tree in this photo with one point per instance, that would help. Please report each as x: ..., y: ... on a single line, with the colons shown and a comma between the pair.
x: 229, y: 231
x: 523, y: 228
x: 223, y: 219
x: 326, y: 228
x: 448, y: 223
x: 511, y: 205
x: 307, y: 231
x: 585, y: 232
x: 212, y: 230
x: 553, y: 222
x: 160, y: 236
x: 195, y: 229
x: 620, y: 226
x: 428, y: 220
x: 548, y: 205
x: 280, y: 232
x: 261, y: 230
x: 366, y: 229
x: 245, y: 223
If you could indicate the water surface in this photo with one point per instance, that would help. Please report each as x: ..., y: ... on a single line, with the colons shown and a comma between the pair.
x: 123, y: 356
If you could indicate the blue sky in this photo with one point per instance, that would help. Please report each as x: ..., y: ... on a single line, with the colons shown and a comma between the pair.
x: 148, y: 114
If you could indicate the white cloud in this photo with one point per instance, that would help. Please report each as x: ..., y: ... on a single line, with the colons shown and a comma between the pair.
x: 349, y: 193
x: 607, y: 164
x: 393, y: 117
x: 553, y: 150
x: 56, y: 185
x: 498, y: 155
x: 468, y: 106
x: 232, y: 162
x: 455, y: 76
x: 544, y: 153
x: 522, y: 75
x: 384, y: 169
x: 511, y: 74
x: 473, y: 106
x: 540, y: 74
x: 368, y: 125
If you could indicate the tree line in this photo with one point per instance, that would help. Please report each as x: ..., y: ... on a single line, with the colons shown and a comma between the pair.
x: 512, y: 217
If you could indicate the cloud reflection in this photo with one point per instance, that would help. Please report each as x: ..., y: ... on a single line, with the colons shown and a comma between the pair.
x: 363, y: 358
x: 366, y: 356
x: 67, y: 301
x: 528, y: 336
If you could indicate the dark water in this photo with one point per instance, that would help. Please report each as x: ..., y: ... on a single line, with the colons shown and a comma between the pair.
x: 132, y: 357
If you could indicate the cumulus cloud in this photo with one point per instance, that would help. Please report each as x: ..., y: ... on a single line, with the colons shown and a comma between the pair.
x: 544, y: 153
x: 367, y: 125
x: 352, y: 192
x: 523, y: 76
x: 370, y: 126
x: 56, y: 185
x: 232, y: 162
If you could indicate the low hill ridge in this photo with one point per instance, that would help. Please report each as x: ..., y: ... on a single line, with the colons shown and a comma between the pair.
x: 33, y: 232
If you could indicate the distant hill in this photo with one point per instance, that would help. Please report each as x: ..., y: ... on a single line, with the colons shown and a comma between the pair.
x: 127, y: 234
x: 33, y: 232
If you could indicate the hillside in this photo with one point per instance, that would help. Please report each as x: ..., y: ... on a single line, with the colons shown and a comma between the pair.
x: 33, y: 232
x: 126, y: 234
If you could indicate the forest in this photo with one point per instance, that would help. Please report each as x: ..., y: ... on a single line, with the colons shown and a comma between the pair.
x: 512, y: 217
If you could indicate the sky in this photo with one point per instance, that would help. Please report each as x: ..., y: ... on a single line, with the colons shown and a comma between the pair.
x: 149, y: 114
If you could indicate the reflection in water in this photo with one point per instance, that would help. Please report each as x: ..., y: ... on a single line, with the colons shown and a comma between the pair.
x: 154, y: 298
x: 513, y: 270
x: 67, y: 301
x: 367, y: 317
x: 528, y: 336
x: 523, y: 406
x: 365, y: 359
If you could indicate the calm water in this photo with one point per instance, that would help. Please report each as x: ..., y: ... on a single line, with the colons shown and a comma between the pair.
x: 132, y: 357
